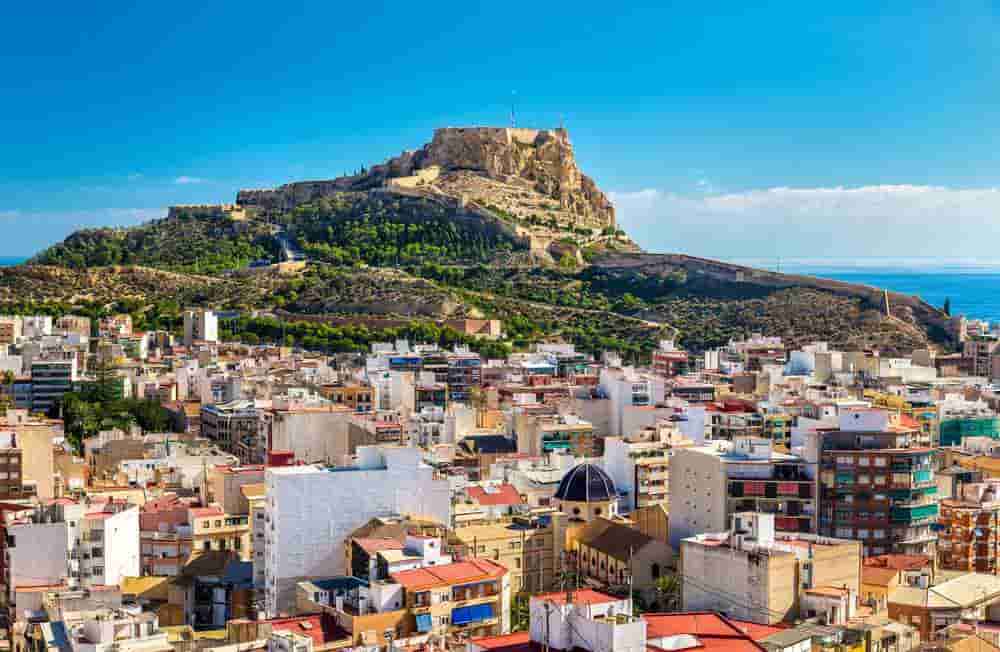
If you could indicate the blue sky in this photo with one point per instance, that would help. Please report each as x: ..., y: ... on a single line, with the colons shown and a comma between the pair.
x: 731, y: 131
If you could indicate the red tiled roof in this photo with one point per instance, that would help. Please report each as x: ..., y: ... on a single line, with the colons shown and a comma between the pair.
x: 504, y: 494
x: 321, y: 628
x: 757, y: 631
x: 462, y: 572
x: 586, y: 596
x: 372, y: 545
x: 715, y: 632
x: 899, y: 561
x: 200, y: 512
x: 505, y: 642
x: 877, y: 576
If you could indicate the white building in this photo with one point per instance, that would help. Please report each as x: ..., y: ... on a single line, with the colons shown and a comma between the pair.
x: 312, y: 429
x: 312, y: 509
x: 592, y: 621
x: 709, y: 483
x: 200, y: 325
x: 103, y: 542
x: 627, y: 390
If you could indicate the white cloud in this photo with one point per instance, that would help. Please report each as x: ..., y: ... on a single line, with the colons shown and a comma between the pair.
x: 184, y: 180
x: 881, y: 220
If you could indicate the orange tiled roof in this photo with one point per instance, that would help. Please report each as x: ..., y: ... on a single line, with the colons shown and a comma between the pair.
x: 462, y: 572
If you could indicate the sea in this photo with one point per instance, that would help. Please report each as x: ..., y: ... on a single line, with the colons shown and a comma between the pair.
x: 971, y: 285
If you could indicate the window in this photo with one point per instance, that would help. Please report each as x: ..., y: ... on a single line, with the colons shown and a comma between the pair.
x: 218, y: 524
x: 206, y: 545
x: 597, y: 512
x: 655, y: 571
x: 864, y: 461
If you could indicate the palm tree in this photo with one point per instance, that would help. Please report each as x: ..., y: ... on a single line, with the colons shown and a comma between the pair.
x: 668, y: 593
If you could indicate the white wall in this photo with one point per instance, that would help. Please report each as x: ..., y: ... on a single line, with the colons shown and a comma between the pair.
x: 312, y: 510
x: 312, y: 436
x: 121, y: 546
x: 39, y: 553
x: 697, y: 495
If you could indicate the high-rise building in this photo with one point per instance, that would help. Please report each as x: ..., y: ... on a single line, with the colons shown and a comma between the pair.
x: 969, y: 539
x: 710, y: 483
x: 50, y: 379
x: 876, y: 484
x: 201, y: 326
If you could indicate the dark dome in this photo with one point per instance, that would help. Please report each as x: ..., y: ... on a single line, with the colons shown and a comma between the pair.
x: 586, y: 483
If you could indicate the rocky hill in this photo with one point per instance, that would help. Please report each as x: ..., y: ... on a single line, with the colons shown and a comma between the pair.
x: 479, y: 222
x: 534, y: 174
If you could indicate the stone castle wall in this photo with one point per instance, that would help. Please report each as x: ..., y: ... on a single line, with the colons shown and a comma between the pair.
x: 544, y: 157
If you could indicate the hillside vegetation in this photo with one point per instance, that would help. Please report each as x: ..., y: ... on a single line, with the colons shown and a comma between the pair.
x: 391, y: 230
x: 182, y: 244
x: 463, y: 236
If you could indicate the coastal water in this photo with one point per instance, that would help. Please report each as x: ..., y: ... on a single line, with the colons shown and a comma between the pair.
x: 972, y: 286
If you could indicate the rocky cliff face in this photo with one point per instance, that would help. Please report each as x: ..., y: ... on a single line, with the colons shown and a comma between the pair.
x: 540, y: 162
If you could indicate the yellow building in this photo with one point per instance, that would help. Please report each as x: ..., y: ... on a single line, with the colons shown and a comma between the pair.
x: 213, y: 529
x: 925, y: 414
x: 528, y: 546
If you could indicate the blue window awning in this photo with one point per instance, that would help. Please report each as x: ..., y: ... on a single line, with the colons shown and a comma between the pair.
x: 424, y: 623
x: 471, y: 614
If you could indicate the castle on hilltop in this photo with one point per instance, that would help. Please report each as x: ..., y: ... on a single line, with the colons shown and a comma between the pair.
x: 494, y: 167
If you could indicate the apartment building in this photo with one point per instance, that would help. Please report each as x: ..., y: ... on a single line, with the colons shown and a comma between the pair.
x: 214, y: 529
x: 235, y: 425
x: 978, y: 352
x: 357, y: 397
x: 89, y: 544
x: 528, y: 546
x: 626, y: 389
x: 73, y: 325
x: 256, y: 496
x: 540, y: 434
x: 311, y: 430
x: 712, y: 482
x: 969, y: 534
x: 10, y: 330
x: 50, y: 380
x: 165, y: 540
x: 730, y: 419
x: 751, y: 572
x: 12, y: 485
x: 669, y: 361
x: 34, y: 437
x: 876, y: 484
x: 465, y: 373
x: 640, y: 465
x: 200, y: 326
x: 469, y: 598
x: 312, y: 509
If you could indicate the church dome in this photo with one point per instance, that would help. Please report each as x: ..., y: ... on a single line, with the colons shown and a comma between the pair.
x: 586, y: 483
